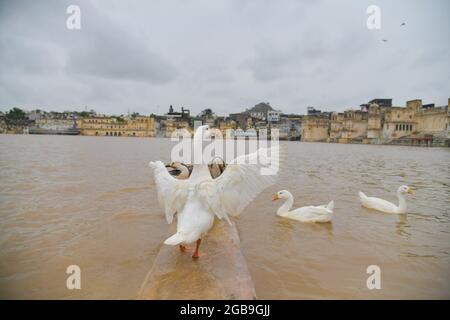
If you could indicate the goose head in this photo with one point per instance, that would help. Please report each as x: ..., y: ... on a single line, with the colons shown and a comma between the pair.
x: 283, y: 194
x: 216, y: 167
x: 178, y: 169
x: 403, y: 190
x: 218, y: 161
x: 175, y: 164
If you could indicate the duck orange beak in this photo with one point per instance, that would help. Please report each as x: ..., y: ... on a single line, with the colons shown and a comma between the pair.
x: 275, y: 197
x: 411, y: 191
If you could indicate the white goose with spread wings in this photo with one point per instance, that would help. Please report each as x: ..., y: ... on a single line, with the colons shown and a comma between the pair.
x: 198, y: 199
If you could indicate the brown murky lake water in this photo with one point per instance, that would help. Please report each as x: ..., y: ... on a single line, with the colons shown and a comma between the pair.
x: 90, y: 201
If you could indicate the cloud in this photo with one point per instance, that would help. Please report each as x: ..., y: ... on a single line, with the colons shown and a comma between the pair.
x: 228, y: 55
x: 111, y: 52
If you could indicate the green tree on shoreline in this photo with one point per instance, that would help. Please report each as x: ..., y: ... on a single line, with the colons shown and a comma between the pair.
x: 16, y: 114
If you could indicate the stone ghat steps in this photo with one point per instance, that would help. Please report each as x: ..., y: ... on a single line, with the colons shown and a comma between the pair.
x: 441, y: 139
x: 220, y: 273
x: 431, y: 139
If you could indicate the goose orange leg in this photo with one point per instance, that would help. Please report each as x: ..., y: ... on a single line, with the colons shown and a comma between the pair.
x: 196, y: 255
x: 182, y: 248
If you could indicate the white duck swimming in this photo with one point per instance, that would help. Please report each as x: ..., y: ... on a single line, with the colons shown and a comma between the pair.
x: 386, y: 206
x: 199, y: 198
x: 322, y: 213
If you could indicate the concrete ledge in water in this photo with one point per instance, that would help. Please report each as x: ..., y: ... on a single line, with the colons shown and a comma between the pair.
x: 220, y: 273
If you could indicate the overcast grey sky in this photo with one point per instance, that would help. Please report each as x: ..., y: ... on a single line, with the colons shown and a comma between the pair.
x: 143, y: 56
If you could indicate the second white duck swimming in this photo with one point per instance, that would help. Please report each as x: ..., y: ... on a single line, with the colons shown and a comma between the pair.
x: 322, y: 213
x: 386, y: 206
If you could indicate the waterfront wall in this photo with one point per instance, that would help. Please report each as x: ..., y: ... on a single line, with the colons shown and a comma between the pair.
x: 220, y: 273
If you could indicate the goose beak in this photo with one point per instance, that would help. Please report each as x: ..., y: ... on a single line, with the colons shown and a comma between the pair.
x: 411, y: 191
x: 275, y: 197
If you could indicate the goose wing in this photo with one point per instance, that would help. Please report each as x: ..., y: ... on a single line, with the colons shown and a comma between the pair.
x: 316, y: 210
x: 311, y: 214
x: 243, y: 179
x: 172, y: 193
x: 380, y: 204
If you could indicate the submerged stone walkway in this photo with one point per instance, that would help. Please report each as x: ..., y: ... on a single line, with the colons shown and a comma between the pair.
x: 220, y: 273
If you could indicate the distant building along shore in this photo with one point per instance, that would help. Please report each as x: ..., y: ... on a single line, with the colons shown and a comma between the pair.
x: 375, y: 122
x: 378, y: 122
